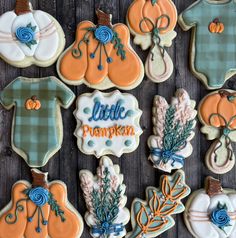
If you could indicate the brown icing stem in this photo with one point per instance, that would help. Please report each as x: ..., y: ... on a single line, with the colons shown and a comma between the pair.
x: 22, y: 7
x: 40, y: 179
x: 213, y: 186
x: 224, y: 93
x: 104, y: 18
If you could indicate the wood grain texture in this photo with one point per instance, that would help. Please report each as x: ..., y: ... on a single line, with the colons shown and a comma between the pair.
x: 66, y: 164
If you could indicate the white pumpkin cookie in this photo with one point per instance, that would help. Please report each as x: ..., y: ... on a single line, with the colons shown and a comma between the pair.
x: 30, y: 36
x: 211, y: 212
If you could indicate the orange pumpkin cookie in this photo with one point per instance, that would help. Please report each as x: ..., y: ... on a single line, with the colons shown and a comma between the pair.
x: 152, y: 22
x: 217, y: 113
x: 101, y: 57
x: 40, y: 210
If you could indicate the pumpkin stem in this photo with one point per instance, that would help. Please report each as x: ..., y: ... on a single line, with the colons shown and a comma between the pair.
x: 22, y: 7
x: 40, y: 179
x: 104, y: 19
x: 34, y: 98
x: 216, y: 20
x: 213, y: 186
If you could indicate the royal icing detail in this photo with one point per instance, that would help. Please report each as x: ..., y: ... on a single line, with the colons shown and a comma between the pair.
x: 173, y: 130
x: 211, y: 212
x: 40, y: 210
x: 101, y: 56
x: 152, y: 217
x: 108, y: 123
x: 30, y: 37
x: 152, y: 23
x: 37, y: 125
x: 213, y: 24
x: 105, y: 200
x: 217, y: 113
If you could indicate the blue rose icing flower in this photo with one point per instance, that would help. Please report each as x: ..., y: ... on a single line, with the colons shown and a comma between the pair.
x: 104, y: 34
x: 220, y: 217
x: 39, y: 196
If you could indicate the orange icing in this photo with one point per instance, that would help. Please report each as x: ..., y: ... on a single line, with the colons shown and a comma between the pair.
x: 141, y: 9
x: 122, y: 73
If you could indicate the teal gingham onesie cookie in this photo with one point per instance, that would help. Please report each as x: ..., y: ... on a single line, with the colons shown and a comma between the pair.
x: 215, y: 53
x: 37, y: 123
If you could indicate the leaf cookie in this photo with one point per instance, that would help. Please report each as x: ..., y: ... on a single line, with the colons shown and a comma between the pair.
x: 105, y: 200
x: 173, y: 130
x: 152, y: 22
x: 40, y: 210
x: 217, y: 113
x: 101, y: 56
x: 152, y: 217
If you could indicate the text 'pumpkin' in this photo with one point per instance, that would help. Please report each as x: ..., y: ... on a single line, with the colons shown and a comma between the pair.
x: 101, y: 56
x: 40, y: 210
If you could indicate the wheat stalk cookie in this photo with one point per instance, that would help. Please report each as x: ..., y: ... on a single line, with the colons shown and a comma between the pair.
x: 152, y: 23
x: 107, y: 123
x: 101, y: 56
x: 105, y: 200
x: 37, y: 129
x: 217, y: 113
x: 30, y: 36
x: 211, y: 212
x: 213, y: 29
x: 173, y: 130
x: 152, y: 217
x: 41, y: 210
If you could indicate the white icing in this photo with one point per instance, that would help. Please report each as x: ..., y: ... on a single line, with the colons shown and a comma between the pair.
x: 118, y: 146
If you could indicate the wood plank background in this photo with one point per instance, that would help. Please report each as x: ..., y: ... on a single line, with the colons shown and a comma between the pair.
x: 67, y: 163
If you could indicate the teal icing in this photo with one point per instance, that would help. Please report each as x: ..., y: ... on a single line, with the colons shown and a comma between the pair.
x: 91, y: 143
x: 121, y: 101
x: 130, y: 113
x: 108, y: 143
x: 128, y: 143
x: 87, y: 110
x: 97, y: 99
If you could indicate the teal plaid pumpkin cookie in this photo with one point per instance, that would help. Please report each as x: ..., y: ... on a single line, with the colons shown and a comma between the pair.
x: 37, y: 124
x: 213, y: 50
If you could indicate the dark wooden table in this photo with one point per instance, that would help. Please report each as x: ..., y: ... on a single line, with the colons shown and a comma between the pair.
x: 137, y: 170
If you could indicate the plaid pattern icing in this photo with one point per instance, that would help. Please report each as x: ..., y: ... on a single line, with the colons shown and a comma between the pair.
x: 215, y: 53
x: 36, y: 133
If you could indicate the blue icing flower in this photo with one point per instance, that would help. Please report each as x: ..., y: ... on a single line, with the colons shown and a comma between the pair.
x: 104, y: 34
x: 39, y: 196
x: 220, y: 217
x: 25, y: 34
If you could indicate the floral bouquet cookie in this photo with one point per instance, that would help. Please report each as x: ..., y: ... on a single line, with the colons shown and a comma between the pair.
x: 41, y: 210
x: 30, y: 36
x: 213, y: 46
x: 152, y: 23
x: 173, y: 129
x: 105, y: 200
x: 101, y: 56
x: 211, y: 212
x: 153, y: 217
x: 217, y: 113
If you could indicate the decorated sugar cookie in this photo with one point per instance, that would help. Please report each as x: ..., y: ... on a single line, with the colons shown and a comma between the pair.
x: 108, y: 123
x: 152, y: 23
x: 37, y: 130
x: 40, y: 210
x: 101, y: 56
x: 173, y: 130
x: 105, y: 200
x: 30, y: 36
x: 213, y: 50
x: 153, y: 217
x: 217, y: 113
x: 211, y: 212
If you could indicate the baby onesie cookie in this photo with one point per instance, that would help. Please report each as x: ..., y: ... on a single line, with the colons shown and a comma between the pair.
x: 101, y: 56
x: 108, y: 123
x: 40, y: 210
x: 211, y: 212
x: 30, y: 36
x: 153, y: 217
x: 105, y: 200
x: 173, y: 130
x: 152, y: 23
x: 213, y: 46
x: 37, y: 129
x: 217, y: 113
